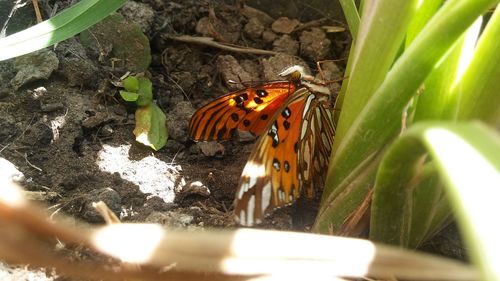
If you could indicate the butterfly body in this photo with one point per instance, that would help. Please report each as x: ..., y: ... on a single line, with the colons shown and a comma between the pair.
x: 291, y: 156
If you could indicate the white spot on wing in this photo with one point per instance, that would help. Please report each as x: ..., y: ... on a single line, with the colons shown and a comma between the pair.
x: 242, y: 190
x: 276, y: 139
x: 266, y: 196
x: 308, y: 104
x: 303, y: 130
x: 250, y: 210
x: 251, y: 173
x: 281, y: 195
x: 243, y: 217
x: 251, y: 183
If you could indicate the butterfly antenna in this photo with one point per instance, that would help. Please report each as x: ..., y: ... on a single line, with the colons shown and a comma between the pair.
x: 322, y: 73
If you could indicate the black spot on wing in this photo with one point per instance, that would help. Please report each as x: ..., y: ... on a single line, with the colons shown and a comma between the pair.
x: 261, y: 93
x: 235, y: 117
x: 286, y: 125
x: 276, y: 164
x: 286, y: 113
x: 258, y: 100
x: 286, y: 166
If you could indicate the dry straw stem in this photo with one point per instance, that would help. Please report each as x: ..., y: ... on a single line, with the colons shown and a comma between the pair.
x: 26, y: 237
x: 209, y: 41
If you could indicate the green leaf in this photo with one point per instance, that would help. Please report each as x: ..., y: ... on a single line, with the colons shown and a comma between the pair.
x: 145, y: 92
x: 64, y: 25
x: 478, y: 91
x: 426, y: 10
x: 379, y: 37
x: 150, y: 126
x: 351, y: 15
x: 131, y: 84
x: 129, y: 96
x: 467, y: 159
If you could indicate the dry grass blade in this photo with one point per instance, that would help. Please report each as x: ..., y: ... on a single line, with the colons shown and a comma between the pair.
x: 208, y: 41
x: 246, y: 254
x: 106, y: 213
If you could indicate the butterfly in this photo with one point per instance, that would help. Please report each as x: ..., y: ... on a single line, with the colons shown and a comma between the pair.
x: 294, y: 120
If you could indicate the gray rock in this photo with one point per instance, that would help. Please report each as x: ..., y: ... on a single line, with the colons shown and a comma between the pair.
x: 120, y: 40
x: 254, y: 28
x: 286, y: 44
x: 211, y: 148
x: 314, y: 44
x: 284, y: 25
x: 170, y: 219
x: 178, y: 121
x: 140, y: 13
x: 33, y: 67
x: 274, y: 65
x: 232, y: 72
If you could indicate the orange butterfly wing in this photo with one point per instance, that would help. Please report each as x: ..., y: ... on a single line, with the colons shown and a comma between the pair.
x: 292, y: 156
x: 247, y: 110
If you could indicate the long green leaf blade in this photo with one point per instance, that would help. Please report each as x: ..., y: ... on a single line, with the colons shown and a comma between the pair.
x: 478, y: 91
x: 351, y: 15
x: 62, y: 26
x: 426, y: 10
x: 381, y: 33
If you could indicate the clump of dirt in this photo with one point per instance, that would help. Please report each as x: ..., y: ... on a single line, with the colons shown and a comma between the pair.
x: 64, y: 126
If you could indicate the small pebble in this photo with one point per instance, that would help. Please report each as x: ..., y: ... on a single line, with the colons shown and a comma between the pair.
x: 254, y: 28
x: 286, y: 44
x: 211, y: 148
x: 284, y: 25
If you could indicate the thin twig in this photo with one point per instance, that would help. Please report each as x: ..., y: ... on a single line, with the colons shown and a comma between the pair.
x: 37, y: 11
x: 208, y: 41
x: 17, y: 4
x: 20, y: 136
x: 32, y: 165
x: 180, y: 88
x: 314, y: 23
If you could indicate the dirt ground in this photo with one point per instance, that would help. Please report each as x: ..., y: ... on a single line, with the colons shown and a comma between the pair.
x: 63, y: 124
x: 65, y: 127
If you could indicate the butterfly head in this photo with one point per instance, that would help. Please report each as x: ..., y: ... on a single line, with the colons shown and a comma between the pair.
x: 296, y: 73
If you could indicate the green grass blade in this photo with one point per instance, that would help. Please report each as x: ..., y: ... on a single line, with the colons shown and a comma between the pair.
x: 426, y: 10
x: 351, y: 15
x: 427, y: 191
x: 466, y: 156
x: 379, y: 37
x: 62, y: 26
x: 437, y: 100
x: 478, y: 91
